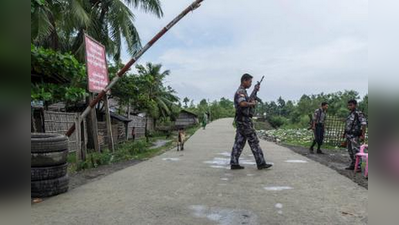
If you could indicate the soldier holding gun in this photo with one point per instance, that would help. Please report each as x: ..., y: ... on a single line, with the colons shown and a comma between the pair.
x: 245, y: 131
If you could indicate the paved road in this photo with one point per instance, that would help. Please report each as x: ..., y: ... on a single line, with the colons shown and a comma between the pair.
x: 195, y: 187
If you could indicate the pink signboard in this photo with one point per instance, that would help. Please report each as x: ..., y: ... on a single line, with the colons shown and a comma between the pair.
x: 96, y: 64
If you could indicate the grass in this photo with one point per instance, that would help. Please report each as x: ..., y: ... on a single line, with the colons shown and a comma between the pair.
x: 129, y: 150
x: 259, y: 125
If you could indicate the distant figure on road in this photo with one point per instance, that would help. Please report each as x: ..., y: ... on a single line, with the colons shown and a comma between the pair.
x: 181, y: 136
x: 204, y: 121
x: 355, y: 132
x: 245, y: 130
x: 319, y: 118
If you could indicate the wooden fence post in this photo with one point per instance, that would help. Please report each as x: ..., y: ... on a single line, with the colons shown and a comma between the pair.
x: 78, y: 140
x: 127, y: 125
x: 111, y: 145
x: 84, y: 146
x: 93, y: 127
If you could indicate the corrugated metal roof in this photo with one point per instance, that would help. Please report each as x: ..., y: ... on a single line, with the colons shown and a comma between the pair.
x: 119, y: 117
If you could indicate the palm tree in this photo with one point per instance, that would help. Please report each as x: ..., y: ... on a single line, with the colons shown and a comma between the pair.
x: 162, y: 99
x: 61, y: 24
x: 186, y: 101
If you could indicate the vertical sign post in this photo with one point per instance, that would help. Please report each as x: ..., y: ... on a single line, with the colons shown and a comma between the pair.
x: 98, y: 80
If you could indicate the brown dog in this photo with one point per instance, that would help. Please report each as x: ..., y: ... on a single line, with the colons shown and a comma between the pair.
x: 181, y: 137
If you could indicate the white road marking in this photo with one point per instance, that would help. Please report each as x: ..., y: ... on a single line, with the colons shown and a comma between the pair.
x: 278, y: 188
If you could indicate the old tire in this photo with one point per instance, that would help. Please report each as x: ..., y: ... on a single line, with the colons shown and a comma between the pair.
x: 49, y: 159
x: 48, y: 188
x: 47, y: 173
x: 44, y: 142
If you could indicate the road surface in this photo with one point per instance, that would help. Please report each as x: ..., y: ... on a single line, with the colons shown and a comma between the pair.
x: 196, y: 187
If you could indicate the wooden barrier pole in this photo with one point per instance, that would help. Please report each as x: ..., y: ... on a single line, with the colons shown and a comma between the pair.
x: 122, y: 72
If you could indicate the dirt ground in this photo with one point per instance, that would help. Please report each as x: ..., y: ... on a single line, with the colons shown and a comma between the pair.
x: 83, y: 177
x: 335, y: 159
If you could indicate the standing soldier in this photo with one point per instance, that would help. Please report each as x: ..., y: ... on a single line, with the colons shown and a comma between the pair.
x: 319, y: 118
x: 355, y: 131
x: 204, y: 121
x: 245, y: 130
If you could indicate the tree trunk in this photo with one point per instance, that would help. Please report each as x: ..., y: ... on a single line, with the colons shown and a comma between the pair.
x: 92, y: 130
x: 146, y: 129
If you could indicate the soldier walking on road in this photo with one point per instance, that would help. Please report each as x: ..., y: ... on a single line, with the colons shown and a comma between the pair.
x: 319, y: 118
x: 245, y: 130
x: 355, y: 131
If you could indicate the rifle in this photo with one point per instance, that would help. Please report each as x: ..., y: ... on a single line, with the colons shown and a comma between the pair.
x: 254, y: 96
x: 310, y: 122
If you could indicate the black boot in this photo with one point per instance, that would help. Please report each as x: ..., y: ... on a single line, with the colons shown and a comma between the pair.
x: 318, y: 149
x: 237, y: 167
x: 311, y: 149
x: 264, y: 166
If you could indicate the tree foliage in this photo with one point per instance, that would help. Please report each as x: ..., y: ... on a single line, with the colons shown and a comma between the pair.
x: 61, y: 24
x: 62, y: 77
x: 224, y: 108
x: 146, y: 92
x: 297, y: 113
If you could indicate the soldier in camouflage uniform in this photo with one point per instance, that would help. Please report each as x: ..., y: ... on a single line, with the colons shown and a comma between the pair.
x: 318, y: 120
x: 355, y: 130
x: 244, y: 125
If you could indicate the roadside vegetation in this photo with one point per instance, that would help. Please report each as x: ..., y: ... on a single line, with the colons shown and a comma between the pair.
x: 130, y: 150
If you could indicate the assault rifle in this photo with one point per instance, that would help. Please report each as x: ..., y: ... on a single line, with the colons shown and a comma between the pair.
x: 254, y: 97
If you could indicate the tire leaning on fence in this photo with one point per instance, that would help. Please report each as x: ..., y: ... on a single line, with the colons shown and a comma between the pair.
x: 49, y: 154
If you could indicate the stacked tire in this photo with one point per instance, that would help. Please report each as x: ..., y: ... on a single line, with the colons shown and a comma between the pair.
x: 49, y: 153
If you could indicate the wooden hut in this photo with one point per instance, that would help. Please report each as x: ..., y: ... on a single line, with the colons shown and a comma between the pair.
x: 119, y: 125
x: 186, y: 119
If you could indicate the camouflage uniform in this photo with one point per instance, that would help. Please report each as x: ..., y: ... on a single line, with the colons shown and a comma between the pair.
x: 245, y: 131
x: 353, y: 131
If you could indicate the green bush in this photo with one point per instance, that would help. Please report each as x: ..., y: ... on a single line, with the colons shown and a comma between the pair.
x: 277, y: 121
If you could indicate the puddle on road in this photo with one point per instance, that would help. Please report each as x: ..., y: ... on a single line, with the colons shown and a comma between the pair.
x: 296, y: 161
x: 250, y: 175
x: 278, y: 188
x: 171, y: 159
x: 224, y: 179
x: 225, y: 216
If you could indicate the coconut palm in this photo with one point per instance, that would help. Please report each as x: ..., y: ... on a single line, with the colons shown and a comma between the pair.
x: 186, y: 101
x: 162, y: 99
x: 61, y: 24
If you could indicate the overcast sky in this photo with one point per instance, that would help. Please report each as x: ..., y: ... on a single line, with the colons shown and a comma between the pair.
x: 300, y: 46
